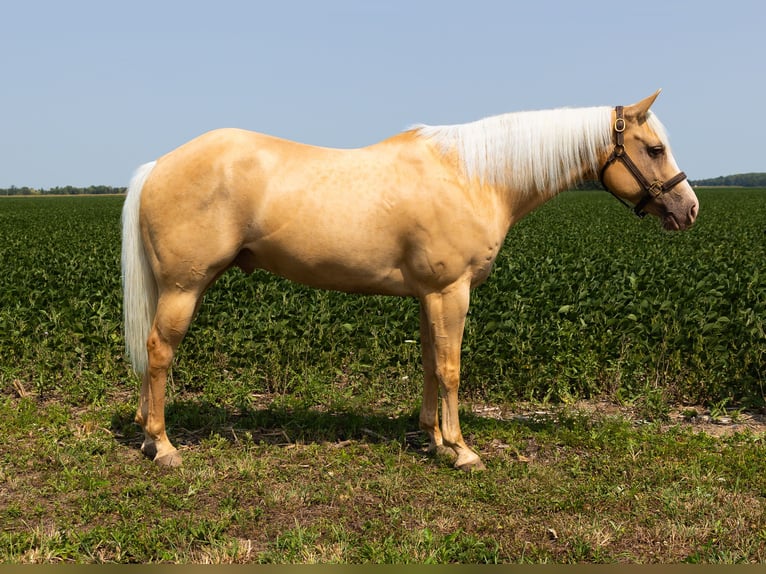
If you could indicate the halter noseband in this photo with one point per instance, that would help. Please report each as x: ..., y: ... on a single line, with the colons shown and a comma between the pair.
x: 650, y: 189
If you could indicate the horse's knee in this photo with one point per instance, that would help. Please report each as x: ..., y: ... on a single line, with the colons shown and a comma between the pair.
x: 448, y: 376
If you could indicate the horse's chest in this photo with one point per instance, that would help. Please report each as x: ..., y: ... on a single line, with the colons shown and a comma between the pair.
x: 482, y: 265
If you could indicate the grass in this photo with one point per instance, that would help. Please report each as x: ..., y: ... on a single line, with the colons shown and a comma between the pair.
x: 300, y: 437
x: 289, y: 484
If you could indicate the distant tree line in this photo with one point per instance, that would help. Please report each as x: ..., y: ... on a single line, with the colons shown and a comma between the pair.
x: 757, y: 179
x: 66, y: 190
x: 738, y: 180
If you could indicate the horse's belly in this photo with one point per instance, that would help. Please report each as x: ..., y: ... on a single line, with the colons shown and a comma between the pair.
x: 347, y: 268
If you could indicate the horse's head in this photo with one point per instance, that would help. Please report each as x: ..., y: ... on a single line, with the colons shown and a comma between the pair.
x: 641, y: 170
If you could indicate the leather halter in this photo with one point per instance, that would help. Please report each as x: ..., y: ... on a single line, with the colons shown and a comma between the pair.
x: 650, y: 189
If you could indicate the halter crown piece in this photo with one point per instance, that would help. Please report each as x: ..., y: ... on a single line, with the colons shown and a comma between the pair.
x: 650, y: 189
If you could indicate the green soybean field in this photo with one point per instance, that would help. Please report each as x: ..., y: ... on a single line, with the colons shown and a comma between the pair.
x: 584, y: 301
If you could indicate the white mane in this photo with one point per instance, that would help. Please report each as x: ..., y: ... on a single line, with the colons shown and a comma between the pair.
x: 541, y: 151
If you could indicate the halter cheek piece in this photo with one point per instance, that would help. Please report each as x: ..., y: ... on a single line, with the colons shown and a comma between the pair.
x: 651, y: 190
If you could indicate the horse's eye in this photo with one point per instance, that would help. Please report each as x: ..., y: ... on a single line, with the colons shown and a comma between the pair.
x: 656, y: 151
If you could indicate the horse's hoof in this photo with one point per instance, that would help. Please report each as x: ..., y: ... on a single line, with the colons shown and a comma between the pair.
x: 473, y: 464
x: 441, y: 450
x: 171, y: 459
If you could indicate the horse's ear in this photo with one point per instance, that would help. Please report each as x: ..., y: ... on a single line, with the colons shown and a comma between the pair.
x: 638, y: 111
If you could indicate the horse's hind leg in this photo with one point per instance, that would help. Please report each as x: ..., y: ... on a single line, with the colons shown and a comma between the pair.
x: 174, y: 314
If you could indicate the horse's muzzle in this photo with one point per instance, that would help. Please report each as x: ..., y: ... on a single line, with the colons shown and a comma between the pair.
x: 678, y: 222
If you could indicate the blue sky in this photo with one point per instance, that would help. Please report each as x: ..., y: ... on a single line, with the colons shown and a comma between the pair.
x: 91, y: 89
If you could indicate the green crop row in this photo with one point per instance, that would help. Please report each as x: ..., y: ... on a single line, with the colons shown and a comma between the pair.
x: 584, y: 301
x: 587, y: 300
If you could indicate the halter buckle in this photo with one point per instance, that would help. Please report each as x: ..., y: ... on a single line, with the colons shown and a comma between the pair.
x: 656, y: 188
x: 619, y: 125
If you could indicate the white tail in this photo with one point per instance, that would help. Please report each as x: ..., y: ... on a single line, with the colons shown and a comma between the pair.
x: 139, y: 300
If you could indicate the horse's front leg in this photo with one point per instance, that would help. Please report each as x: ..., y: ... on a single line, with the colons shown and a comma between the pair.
x: 444, y: 317
x: 429, y: 413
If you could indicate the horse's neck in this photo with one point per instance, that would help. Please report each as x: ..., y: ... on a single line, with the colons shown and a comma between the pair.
x: 520, y: 201
x: 525, y: 159
x: 529, y: 156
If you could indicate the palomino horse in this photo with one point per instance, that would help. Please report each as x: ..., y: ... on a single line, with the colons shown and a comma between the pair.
x: 421, y: 214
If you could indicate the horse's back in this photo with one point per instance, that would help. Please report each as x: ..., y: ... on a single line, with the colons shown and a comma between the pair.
x: 353, y: 220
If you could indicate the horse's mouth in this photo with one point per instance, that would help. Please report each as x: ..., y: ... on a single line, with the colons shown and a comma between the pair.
x: 670, y: 223
x: 675, y: 219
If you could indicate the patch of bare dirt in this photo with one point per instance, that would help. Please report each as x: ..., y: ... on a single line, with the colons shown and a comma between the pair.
x: 698, y: 418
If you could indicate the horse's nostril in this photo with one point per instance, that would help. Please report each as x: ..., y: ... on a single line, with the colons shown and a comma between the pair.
x: 693, y: 212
